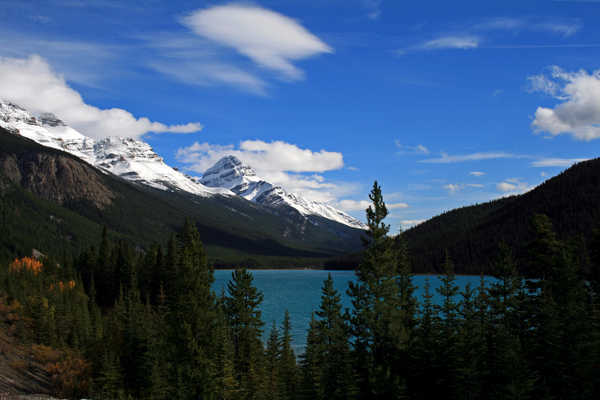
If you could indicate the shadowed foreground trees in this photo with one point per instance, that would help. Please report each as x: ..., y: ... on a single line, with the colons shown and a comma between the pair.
x: 121, y: 324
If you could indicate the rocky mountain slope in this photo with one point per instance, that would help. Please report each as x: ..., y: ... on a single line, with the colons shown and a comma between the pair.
x: 56, y: 202
x: 128, y: 158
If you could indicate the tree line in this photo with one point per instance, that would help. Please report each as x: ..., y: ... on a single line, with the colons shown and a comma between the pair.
x: 147, y: 325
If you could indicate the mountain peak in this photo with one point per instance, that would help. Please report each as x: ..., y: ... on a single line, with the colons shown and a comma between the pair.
x: 231, y: 173
x: 228, y: 172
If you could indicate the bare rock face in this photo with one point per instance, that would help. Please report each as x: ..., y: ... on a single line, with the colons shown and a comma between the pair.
x: 57, y: 177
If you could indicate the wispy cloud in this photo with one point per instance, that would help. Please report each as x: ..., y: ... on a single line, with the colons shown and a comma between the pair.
x: 457, y: 187
x: 449, y: 159
x: 452, y: 42
x: 476, y: 173
x: 407, y: 149
x: 373, y: 8
x: 408, y: 223
x: 83, y: 62
x: 562, y: 27
x: 210, y: 73
x: 556, y: 162
x: 492, y: 30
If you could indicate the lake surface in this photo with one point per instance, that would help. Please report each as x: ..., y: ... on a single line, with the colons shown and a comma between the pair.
x: 299, y: 291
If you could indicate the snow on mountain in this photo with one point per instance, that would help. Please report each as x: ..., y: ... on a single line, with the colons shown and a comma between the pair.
x: 130, y: 159
x: 229, y: 172
x: 135, y: 160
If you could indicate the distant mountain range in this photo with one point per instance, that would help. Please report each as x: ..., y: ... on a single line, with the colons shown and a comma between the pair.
x: 56, y: 181
x: 136, y: 161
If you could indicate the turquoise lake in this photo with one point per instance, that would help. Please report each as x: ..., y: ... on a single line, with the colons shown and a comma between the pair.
x: 299, y: 291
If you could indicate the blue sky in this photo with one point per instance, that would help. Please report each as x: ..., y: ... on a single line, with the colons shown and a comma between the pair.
x: 444, y: 103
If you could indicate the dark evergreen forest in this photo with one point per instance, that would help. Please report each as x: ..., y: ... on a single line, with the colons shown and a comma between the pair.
x: 117, y: 323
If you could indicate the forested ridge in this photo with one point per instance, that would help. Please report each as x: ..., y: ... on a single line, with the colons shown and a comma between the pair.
x: 471, y: 234
x: 114, y: 322
x: 56, y: 203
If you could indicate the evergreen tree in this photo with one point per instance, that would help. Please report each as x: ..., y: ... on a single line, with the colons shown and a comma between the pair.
x: 379, y: 314
x: 272, y: 363
x: 311, y: 365
x: 336, y: 379
x: 288, y: 369
x: 447, y: 349
x: 227, y: 384
x: 242, y: 306
x: 193, y: 318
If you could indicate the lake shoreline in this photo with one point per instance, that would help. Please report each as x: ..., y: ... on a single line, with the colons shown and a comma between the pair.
x: 324, y: 269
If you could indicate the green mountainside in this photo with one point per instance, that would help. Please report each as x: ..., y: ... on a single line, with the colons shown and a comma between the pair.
x: 56, y: 203
x: 471, y: 235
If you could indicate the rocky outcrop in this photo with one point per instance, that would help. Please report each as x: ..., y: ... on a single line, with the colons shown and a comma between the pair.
x: 56, y: 177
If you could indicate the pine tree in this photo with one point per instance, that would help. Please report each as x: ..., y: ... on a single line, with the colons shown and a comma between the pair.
x: 227, y: 384
x: 272, y: 363
x: 336, y: 379
x: 378, y: 319
x: 242, y: 306
x: 311, y: 365
x: 288, y: 369
x: 448, y: 325
x: 193, y: 317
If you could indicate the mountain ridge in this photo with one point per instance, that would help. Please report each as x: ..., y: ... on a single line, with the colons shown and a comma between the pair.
x: 231, y: 173
x: 233, y: 229
x: 136, y: 161
x: 471, y: 234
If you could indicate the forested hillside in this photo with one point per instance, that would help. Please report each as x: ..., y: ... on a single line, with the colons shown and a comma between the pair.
x: 115, y: 324
x: 471, y: 234
x: 56, y: 203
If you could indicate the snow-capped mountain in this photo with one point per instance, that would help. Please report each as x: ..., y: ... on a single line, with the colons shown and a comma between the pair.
x: 229, y: 172
x: 135, y: 161
x: 128, y: 158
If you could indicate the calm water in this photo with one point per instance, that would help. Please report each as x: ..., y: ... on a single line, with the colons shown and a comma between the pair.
x: 299, y: 291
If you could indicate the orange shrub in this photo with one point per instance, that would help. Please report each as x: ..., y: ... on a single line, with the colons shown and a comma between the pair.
x: 70, y: 377
x: 62, y: 286
x: 27, y: 264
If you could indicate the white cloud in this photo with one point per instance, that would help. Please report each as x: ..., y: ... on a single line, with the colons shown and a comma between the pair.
x: 411, y: 222
x: 506, y: 187
x: 453, y: 42
x: 578, y: 114
x: 447, y: 159
x: 353, y: 205
x: 263, y: 156
x: 406, y: 149
x: 373, y: 8
x: 476, y: 173
x: 33, y: 84
x: 272, y: 40
x: 453, y: 187
x: 285, y: 164
x: 457, y: 187
x: 512, y: 186
x: 394, y: 206
x: 209, y: 73
x: 556, y: 162
x: 549, y: 25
